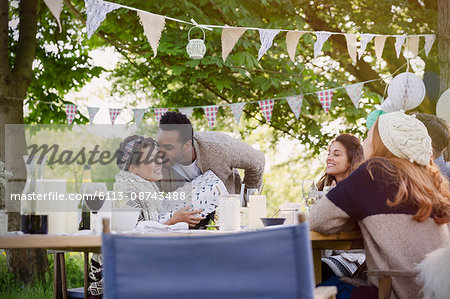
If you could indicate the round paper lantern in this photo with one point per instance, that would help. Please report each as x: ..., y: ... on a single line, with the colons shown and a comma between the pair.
x: 406, y: 91
x: 372, y: 117
x: 390, y: 106
x: 443, y: 106
x: 196, y: 47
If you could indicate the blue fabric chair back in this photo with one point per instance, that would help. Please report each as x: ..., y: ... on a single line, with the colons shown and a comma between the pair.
x: 272, y: 263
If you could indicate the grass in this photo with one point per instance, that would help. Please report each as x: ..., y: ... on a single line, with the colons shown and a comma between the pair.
x: 11, y: 288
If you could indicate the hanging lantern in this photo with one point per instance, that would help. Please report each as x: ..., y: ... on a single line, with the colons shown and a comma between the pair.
x: 196, y: 47
x: 406, y: 91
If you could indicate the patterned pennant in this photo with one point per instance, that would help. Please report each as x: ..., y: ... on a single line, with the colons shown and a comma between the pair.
x: 354, y: 92
x: 325, y: 99
x: 71, y: 110
x: 55, y: 7
x: 295, y: 102
x: 186, y: 111
x: 230, y: 36
x: 429, y: 41
x: 321, y: 39
x: 211, y: 114
x: 266, y: 108
x: 153, y: 26
x: 399, y: 41
x: 92, y: 112
x: 237, y: 111
x: 138, y: 115
x: 266, y: 36
x: 365, y: 39
x: 379, y: 45
x: 113, y: 113
x: 160, y: 112
x: 412, y: 43
x: 96, y: 11
x: 292, y: 38
x: 351, y: 45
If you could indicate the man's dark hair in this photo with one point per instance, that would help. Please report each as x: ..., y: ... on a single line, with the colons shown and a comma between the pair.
x: 175, y: 121
x: 438, y: 131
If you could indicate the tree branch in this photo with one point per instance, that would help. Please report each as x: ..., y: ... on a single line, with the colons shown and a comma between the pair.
x: 4, y: 17
x: 26, y: 46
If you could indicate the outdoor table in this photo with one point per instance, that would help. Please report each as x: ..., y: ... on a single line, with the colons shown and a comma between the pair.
x: 93, y: 243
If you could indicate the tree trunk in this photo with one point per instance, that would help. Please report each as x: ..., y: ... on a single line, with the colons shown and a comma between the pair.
x: 27, y: 265
x: 443, y: 38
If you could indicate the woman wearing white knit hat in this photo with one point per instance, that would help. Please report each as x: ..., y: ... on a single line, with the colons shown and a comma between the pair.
x: 398, y: 198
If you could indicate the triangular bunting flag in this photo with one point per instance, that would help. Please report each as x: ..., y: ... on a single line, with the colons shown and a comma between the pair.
x: 379, y: 45
x: 266, y: 108
x: 295, y: 102
x: 138, y: 115
x: 153, y: 26
x: 321, y: 39
x: 399, y: 41
x: 351, y: 45
x: 211, y: 114
x: 71, y: 110
x: 230, y: 36
x: 96, y: 11
x: 186, y: 111
x: 113, y: 113
x: 292, y: 38
x: 266, y: 36
x: 92, y: 112
x: 365, y: 39
x: 429, y: 40
x: 325, y: 99
x: 55, y: 7
x: 354, y: 92
x: 237, y: 111
x: 160, y: 112
x: 412, y: 43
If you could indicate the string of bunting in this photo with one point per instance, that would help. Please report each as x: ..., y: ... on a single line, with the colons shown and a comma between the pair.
x: 153, y: 25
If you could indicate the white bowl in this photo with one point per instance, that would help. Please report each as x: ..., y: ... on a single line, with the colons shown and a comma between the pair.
x: 123, y: 219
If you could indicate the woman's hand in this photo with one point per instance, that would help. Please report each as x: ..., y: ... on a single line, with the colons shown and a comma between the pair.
x: 185, y: 215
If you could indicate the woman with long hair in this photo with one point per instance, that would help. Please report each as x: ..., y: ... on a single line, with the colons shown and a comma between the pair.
x: 345, y: 154
x: 398, y: 197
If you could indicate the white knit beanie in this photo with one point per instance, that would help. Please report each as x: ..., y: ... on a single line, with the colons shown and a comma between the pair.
x: 405, y: 136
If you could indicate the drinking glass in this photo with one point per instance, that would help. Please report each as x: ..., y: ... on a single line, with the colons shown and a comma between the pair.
x: 309, y: 193
x: 94, y: 195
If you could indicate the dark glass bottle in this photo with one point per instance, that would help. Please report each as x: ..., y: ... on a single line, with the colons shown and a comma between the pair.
x: 85, y: 220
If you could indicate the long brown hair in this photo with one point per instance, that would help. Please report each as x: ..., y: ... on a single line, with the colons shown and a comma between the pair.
x: 422, y: 185
x: 355, y: 156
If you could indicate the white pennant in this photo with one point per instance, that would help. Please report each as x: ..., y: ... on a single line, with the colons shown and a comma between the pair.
x: 186, y: 111
x: 321, y: 39
x: 292, y: 38
x: 138, y: 115
x: 295, y: 102
x: 412, y: 43
x: 266, y: 36
x: 96, y: 11
x: 354, y: 92
x: 55, y: 7
x: 153, y: 26
x: 429, y: 41
x: 365, y: 39
x: 230, y: 36
x: 237, y: 111
x: 92, y: 112
x: 351, y: 45
x: 399, y: 41
x: 379, y: 45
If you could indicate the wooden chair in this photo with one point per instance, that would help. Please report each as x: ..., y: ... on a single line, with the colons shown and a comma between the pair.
x: 385, y: 280
x: 272, y: 263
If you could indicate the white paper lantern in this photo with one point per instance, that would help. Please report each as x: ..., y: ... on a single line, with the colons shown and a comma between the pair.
x: 196, y: 47
x: 406, y: 91
x: 443, y: 106
x: 390, y: 106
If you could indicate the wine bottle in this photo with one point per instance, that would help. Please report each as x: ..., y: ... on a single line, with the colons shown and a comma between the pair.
x: 85, y: 220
